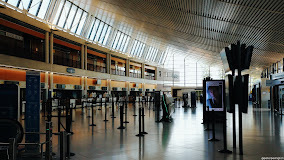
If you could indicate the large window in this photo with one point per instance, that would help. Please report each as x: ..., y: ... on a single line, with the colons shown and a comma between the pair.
x: 35, y: 7
x: 121, y: 41
x: 99, y: 31
x: 137, y: 48
x: 69, y: 16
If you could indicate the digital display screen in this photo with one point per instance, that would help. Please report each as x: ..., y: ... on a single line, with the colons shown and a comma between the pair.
x: 215, y: 95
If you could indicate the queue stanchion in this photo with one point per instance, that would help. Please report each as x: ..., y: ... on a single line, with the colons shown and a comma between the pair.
x: 58, y: 119
x: 207, y: 120
x: 140, y: 134
x: 225, y: 150
x: 62, y: 147
x: 112, y: 109
x: 134, y: 107
x: 92, y: 107
x: 213, y: 127
x: 48, y: 138
x: 105, y: 111
x: 101, y: 104
x: 125, y: 102
x: 143, y: 122
x: 121, y: 117
x: 82, y: 107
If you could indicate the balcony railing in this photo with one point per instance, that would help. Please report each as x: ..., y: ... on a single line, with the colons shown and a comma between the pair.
x: 135, y: 75
x: 24, y: 53
x: 66, y: 62
x: 118, y: 72
x: 150, y: 77
x: 96, y: 68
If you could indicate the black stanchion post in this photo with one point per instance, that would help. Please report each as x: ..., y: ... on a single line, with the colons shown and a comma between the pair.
x: 92, y: 106
x: 82, y: 107
x: 48, y: 139
x: 58, y: 119
x: 225, y: 150
x: 213, y: 127
x: 125, y: 102
x: 112, y: 108
x: 207, y: 120
x: 134, y: 107
x: 140, y: 115
x: 101, y: 106
x: 121, y: 117
x: 105, y: 112
x: 63, y: 145
x: 143, y: 122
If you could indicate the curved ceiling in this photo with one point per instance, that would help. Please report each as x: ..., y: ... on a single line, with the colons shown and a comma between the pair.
x: 206, y: 25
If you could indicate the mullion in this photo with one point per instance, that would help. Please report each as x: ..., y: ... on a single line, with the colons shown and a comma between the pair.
x: 101, y: 32
x: 114, y: 39
x: 79, y: 21
x: 74, y: 18
x: 142, y: 50
x: 60, y: 12
x: 97, y: 29
x: 38, y: 8
x: 148, y: 53
x: 123, y: 42
x: 133, y: 47
x: 29, y: 6
x: 67, y: 15
x: 151, y: 54
x: 105, y: 34
x: 126, y: 43
x: 118, y: 39
x: 92, y: 28
x: 18, y: 4
x: 137, y: 47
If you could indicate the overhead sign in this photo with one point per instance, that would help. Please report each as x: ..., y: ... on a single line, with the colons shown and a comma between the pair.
x: 70, y: 70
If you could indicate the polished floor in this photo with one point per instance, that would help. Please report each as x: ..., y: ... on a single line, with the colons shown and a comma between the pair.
x: 184, y: 138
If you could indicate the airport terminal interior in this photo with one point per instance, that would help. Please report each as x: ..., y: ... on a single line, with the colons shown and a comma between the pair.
x: 141, y: 79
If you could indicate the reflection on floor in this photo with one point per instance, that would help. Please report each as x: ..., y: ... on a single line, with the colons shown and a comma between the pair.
x: 184, y: 138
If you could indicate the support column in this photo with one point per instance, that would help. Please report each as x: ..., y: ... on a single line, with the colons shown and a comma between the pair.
x: 127, y: 88
x: 46, y: 85
x: 83, y: 86
x: 108, y: 63
x: 143, y: 71
x: 82, y: 56
x: 86, y: 87
x: 86, y: 57
x: 51, y: 84
x: 156, y: 73
x: 46, y: 47
x: 51, y: 48
x: 143, y: 89
x: 127, y: 66
x: 109, y: 86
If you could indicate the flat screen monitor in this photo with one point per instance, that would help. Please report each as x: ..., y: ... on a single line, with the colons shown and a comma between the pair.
x: 215, y: 95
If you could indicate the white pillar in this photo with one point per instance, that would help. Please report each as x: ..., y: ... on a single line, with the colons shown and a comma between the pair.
x: 51, y: 48
x: 86, y: 57
x: 82, y: 56
x: 51, y: 84
x: 46, y: 47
